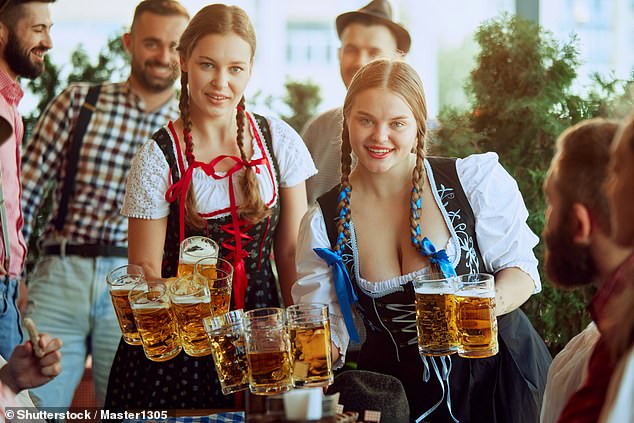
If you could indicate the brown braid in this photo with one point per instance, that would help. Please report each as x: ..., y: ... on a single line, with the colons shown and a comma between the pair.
x: 192, y: 218
x: 253, y: 209
x: 343, y: 223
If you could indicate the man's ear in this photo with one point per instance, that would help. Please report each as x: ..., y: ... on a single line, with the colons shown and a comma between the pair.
x: 582, y: 224
x: 127, y: 42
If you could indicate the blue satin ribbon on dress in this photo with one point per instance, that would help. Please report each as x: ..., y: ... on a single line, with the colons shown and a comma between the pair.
x: 343, y: 288
x: 437, y: 257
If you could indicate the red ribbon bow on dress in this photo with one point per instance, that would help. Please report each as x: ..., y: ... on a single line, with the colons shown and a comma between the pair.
x: 178, y: 191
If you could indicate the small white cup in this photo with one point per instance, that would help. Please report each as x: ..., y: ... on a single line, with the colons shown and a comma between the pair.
x: 303, y: 404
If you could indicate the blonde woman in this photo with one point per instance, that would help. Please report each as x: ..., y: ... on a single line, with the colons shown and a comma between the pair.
x: 395, y: 215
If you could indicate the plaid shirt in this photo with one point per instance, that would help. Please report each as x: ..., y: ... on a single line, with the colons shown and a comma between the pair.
x: 118, y: 127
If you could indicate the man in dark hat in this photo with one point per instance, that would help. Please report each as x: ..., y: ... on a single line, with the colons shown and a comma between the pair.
x: 366, y: 34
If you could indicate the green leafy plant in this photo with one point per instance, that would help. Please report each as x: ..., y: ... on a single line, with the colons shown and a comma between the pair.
x: 520, y: 100
x: 302, y: 98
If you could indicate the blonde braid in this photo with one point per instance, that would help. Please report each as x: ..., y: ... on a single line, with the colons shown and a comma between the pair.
x: 253, y: 209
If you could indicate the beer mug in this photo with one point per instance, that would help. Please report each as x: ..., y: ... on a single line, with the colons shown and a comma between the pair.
x: 190, y: 302
x: 228, y: 349
x: 268, y: 351
x: 309, y: 333
x: 120, y: 281
x: 155, y: 320
x: 436, y: 314
x: 218, y: 277
x: 193, y: 249
x: 475, y: 311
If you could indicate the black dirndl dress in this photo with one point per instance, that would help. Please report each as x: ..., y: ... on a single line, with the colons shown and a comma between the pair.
x: 185, y: 382
x: 505, y: 388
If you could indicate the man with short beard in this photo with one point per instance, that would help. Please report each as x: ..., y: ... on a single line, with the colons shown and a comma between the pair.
x: 580, y: 252
x: 24, y: 38
x: 86, y: 155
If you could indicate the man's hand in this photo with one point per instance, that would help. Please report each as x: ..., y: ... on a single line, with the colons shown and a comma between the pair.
x: 24, y: 370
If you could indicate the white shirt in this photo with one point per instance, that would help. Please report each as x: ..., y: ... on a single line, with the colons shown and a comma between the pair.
x: 148, y: 180
x: 618, y: 406
x: 567, y: 373
x: 503, y: 237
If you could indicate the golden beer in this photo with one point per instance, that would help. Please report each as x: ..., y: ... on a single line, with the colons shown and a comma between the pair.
x: 477, y: 327
x: 190, y: 313
x: 158, y: 331
x: 310, y: 353
x: 218, y: 277
x: 208, y: 271
x: 230, y: 357
x: 220, y: 301
x: 121, y: 304
x: 436, y: 324
x: 269, y: 372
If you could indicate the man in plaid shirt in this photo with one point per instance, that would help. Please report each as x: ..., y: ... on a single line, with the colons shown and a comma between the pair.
x: 68, y: 294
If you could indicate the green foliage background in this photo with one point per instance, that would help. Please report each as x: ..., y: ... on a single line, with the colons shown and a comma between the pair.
x: 519, y: 102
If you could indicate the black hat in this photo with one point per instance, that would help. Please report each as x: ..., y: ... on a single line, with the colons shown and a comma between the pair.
x: 381, y: 12
x: 361, y: 390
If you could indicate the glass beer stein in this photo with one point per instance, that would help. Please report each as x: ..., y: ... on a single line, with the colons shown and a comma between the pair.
x: 120, y: 281
x: 436, y: 314
x: 193, y: 249
x: 228, y: 349
x: 309, y: 333
x: 155, y: 320
x: 268, y: 351
x: 190, y: 299
x: 218, y: 277
x: 476, y: 320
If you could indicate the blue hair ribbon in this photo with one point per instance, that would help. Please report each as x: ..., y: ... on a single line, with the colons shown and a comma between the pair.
x: 343, y: 287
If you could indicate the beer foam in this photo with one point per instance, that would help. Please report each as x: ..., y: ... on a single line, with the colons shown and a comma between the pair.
x: 150, y: 305
x: 125, y: 283
x: 190, y: 299
x: 197, y: 249
x: 476, y: 292
x: 433, y: 289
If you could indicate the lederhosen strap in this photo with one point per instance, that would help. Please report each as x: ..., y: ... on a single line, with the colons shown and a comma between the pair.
x: 72, y: 159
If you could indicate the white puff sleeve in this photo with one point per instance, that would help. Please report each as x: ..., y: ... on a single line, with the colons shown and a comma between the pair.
x: 504, y: 238
x: 315, y: 283
x: 147, y: 184
x: 294, y: 161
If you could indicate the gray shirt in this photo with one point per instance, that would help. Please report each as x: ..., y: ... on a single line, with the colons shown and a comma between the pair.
x: 322, y: 136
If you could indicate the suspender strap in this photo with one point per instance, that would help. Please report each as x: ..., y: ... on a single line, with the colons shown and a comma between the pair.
x: 73, y: 154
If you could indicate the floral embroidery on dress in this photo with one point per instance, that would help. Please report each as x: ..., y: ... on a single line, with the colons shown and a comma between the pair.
x: 464, y: 240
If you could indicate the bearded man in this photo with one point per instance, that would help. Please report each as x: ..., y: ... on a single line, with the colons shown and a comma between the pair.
x: 580, y: 252
x: 82, y: 148
x: 24, y: 39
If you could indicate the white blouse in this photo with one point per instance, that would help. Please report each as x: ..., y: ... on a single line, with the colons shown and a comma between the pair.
x: 149, y: 176
x: 504, y: 238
